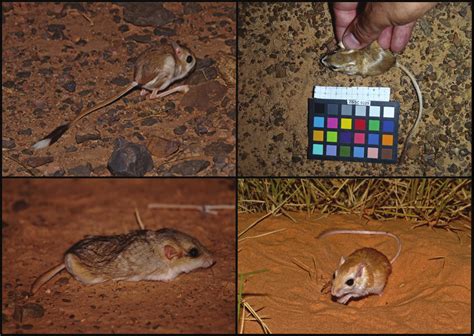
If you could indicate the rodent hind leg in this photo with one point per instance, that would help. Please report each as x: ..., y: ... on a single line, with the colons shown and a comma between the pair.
x: 143, y: 92
x: 181, y: 88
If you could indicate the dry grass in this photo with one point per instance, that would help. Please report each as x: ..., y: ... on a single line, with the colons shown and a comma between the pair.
x: 434, y: 202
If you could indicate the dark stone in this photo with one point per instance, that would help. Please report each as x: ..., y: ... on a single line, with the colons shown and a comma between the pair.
x: 218, y: 148
x: 146, y: 13
x: 204, y: 63
x: 180, y: 130
x: 120, y: 81
x: 38, y: 161
x: 162, y: 31
x: 70, y: 86
x: 116, y: 18
x: 9, y: 84
x: 204, y: 95
x: 453, y: 168
x: 129, y: 159
x: 139, y: 38
x: 191, y: 167
x: 56, y: 31
x: 33, y: 310
x: 149, y: 121
x: 25, y: 132
x: 80, y: 138
x: 82, y: 170
x: 123, y: 28
x: 170, y: 106
x: 23, y: 74
x: 8, y: 143
x: 38, y: 112
x: 192, y: 7
x: 46, y: 72
x: 200, y: 129
x: 70, y: 149
x: 20, y: 206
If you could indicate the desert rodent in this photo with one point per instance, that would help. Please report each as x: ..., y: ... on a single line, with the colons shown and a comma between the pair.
x: 139, y: 255
x: 372, y: 61
x: 155, y: 69
x: 365, y: 271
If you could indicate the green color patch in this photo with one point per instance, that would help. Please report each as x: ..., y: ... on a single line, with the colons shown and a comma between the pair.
x: 331, y: 136
x: 345, y: 151
x: 374, y: 125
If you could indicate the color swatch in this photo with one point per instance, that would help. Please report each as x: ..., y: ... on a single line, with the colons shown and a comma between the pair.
x: 339, y: 130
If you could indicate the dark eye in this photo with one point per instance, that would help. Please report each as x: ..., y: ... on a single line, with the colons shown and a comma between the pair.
x: 193, y: 253
x: 334, y: 275
x: 189, y: 59
x: 350, y: 282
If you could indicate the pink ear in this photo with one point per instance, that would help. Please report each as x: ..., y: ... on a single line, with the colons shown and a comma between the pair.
x: 360, y: 270
x: 177, y: 48
x: 170, y: 252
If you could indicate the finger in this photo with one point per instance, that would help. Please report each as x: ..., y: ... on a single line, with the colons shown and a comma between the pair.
x: 385, y: 38
x: 400, y: 37
x: 344, y: 13
x: 366, y: 27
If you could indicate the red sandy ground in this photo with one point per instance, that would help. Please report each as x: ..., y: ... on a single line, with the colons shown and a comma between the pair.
x: 424, y: 294
x: 62, y: 211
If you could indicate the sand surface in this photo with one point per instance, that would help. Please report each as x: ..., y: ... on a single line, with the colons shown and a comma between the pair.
x: 43, y: 218
x: 423, y: 295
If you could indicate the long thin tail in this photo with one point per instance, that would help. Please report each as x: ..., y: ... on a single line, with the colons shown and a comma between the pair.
x: 330, y: 233
x: 420, y: 110
x: 45, y: 277
x: 60, y: 130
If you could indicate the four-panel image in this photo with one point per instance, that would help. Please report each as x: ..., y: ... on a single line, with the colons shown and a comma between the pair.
x: 236, y: 168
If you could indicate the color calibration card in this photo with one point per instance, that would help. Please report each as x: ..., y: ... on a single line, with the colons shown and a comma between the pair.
x: 354, y: 129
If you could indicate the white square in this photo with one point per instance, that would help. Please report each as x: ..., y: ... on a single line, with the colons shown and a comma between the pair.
x: 388, y: 112
x: 360, y: 111
x: 374, y: 111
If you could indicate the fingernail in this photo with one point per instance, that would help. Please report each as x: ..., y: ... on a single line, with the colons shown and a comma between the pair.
x: 350, y: 41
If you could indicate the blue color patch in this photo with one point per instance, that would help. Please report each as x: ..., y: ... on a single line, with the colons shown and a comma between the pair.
x: 318, y: 122
x: 374, y: 139
x: 331, y: 150
x: 317, y: 149
x: 358, y: 152
x: 388, y: 126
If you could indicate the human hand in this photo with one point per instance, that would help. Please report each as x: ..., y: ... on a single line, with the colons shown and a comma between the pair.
x: 391, y: 23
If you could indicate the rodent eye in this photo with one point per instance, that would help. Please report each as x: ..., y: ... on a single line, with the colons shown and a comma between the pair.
x: 189, y: 59
x: 193, y: 253
x: 334, y: 275
x: 350, y: 282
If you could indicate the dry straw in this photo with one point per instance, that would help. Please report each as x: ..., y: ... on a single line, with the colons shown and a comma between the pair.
x: 434, y: 202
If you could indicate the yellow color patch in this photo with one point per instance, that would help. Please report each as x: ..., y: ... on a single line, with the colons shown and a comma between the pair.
x: 346, y: 123
x: 318, y: 135
x: 387, y: 140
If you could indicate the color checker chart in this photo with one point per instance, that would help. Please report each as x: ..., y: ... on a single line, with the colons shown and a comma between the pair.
x: 351, y: 130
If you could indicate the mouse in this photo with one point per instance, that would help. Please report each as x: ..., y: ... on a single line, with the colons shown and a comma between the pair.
x: 159, y: 255
x: 372, y: 60
x: 365, y: 271
x: 155, y: 69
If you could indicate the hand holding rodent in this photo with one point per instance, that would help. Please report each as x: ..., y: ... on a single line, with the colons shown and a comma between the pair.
x: 139, y: 255
x: 155, y: 69
x: 372, y: 61
x: 389, y: 22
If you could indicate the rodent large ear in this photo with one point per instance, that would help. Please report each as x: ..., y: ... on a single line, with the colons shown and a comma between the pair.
x: 177, y: 49
x: 342, y: 261
x: 171, y: 252
x: 360, y: 270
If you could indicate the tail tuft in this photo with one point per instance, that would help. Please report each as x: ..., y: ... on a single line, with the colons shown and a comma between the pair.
x: 51, y: 137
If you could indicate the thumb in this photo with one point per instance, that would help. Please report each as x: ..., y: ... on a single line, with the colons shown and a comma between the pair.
x: 364, y: 29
